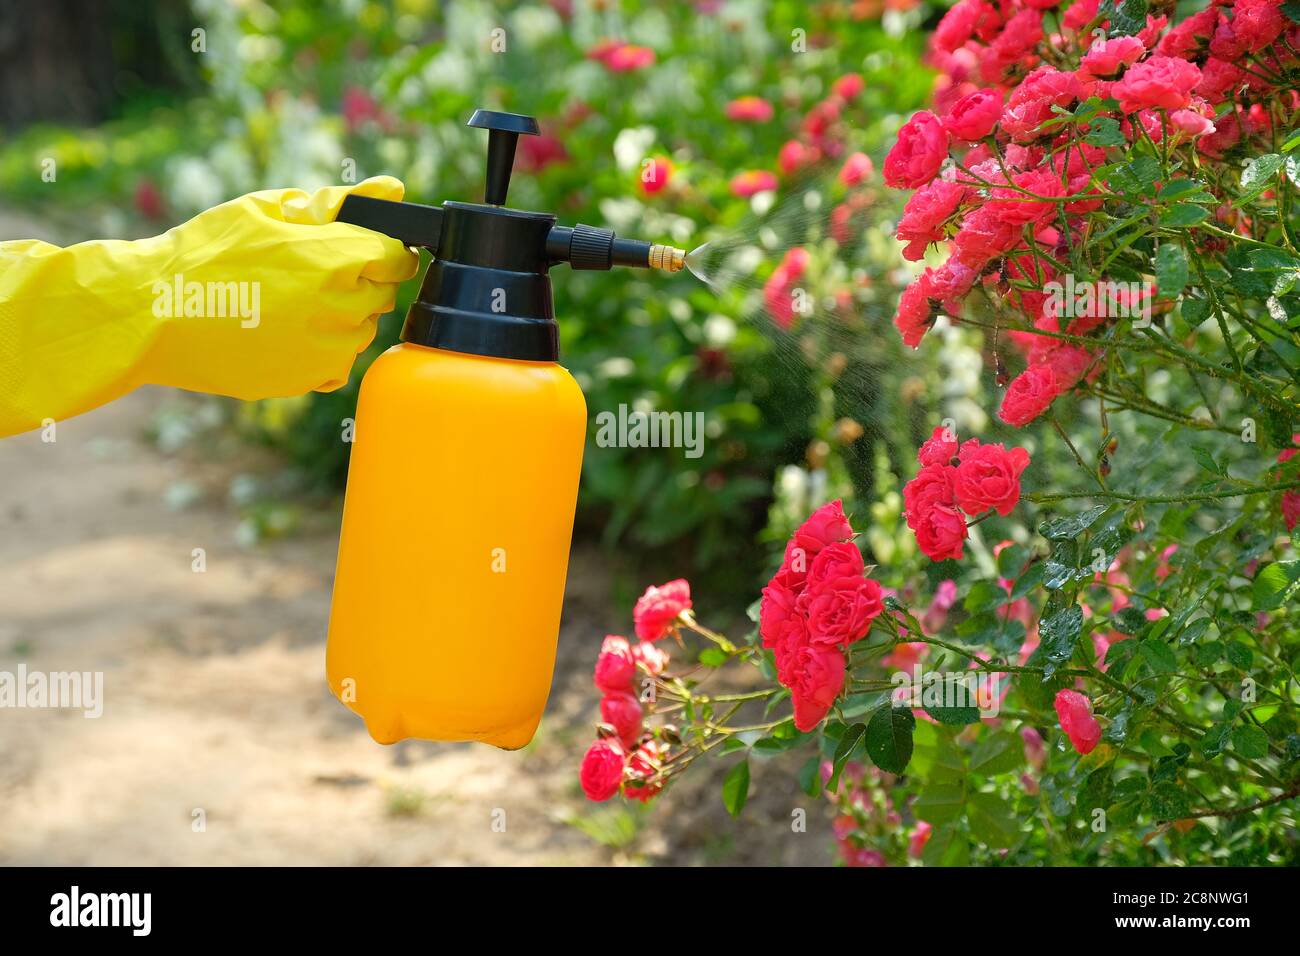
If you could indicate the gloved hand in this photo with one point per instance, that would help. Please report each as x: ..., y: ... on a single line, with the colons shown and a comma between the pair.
x: 261, y: 296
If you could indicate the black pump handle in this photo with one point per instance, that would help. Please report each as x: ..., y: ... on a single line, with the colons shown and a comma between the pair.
x: 412, y: 223
x: 503, y: 133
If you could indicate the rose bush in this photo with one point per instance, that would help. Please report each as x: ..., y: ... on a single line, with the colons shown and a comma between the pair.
x: 1105, y: 209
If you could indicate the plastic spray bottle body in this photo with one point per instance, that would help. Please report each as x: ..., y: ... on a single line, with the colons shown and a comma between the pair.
x: 455, y: 544
x: 464, y: 471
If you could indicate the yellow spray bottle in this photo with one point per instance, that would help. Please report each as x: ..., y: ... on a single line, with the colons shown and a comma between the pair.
x: 464, y: 471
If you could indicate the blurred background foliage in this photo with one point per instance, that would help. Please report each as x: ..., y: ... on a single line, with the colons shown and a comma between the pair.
x: 213, y: 98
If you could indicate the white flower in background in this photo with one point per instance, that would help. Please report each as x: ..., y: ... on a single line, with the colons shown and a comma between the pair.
x: 450, y: 70
x: 719, y: 330
x: 193, y: 185
x: 632, y: 145
x: 533, y: 26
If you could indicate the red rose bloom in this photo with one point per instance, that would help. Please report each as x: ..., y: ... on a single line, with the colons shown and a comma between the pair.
x: 655, y: 174
x: 940, y: 532
x: 751, y: 182
x: 848, y: 87
x: 1029, y: 395
x: 938, y: 449
x: 622, y: 711
x: 1075, y: 713
x: 989, y: 477
x: 919, y: 153
x: 1107, y: 59
x: 602, y: 769
x: 816, y: 679
x: 615, y: 667
x: 656, y: 611
x: 927, y: 213
x: 777, y: 607
x: 857, y: 170
x: 974, y: 115
x: 931, y: 486
x: 643, y: 768
x: 1161, y: 82
x: 750, y: 109
x: 841, y: 559
x: 841, y: 611
x: 826, y: 525
x: 915, y: 314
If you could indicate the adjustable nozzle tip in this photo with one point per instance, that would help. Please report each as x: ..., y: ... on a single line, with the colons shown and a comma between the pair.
x: 668, y: 258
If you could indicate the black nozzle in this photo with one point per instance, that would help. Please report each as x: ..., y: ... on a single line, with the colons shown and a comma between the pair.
x: 503, y: 133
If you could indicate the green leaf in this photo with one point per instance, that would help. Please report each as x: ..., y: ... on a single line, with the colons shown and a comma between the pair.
x: 947, y: 846
x: 1249, y: 741
x: 713, y: 657
x: 1240, y: 655
x: 1059, y: 634
x: 997, y: 753
x: 1069, y: 528
x: 1172, y: 271
x: 1104, y: 131
x: 1292, y: 10
x: 940, y: 803
x: 1182, y: 215
x: 1195, y: 311
x: 1258, y: 175
x: 810, y: 776
x: 848, y: 741
x: 735, y: 788
x: 992, y: 820
x: 984, y: 596
x: 889, y: 738
x: 1159, y: 656
x: 1273, y: 583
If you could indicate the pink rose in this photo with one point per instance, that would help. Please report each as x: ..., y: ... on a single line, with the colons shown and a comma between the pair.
x: 751, y: 182
x: 816, y: 679
x: 1075, y: 713
x: 857, y: 169
x: 989, y: 477
x: 918, y: 154
x: 656, y: 611
x: 974, y: 115
x: 1161, y: 82
x: 1291, y: 508
x: 602, y: 769
x: 919, y: 838
x: 615, y: 667
x: 651, y: 657
x: 927, y: 214
x: 749, y: 109
x: 1108, y: 58
x: 655, y: 174
x: 622, y: 711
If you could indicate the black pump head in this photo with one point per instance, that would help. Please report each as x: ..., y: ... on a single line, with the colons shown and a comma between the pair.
x: 505, y: 131
x: 488, y: 290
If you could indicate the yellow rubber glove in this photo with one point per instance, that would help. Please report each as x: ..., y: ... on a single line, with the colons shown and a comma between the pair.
x: 275, y: 299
